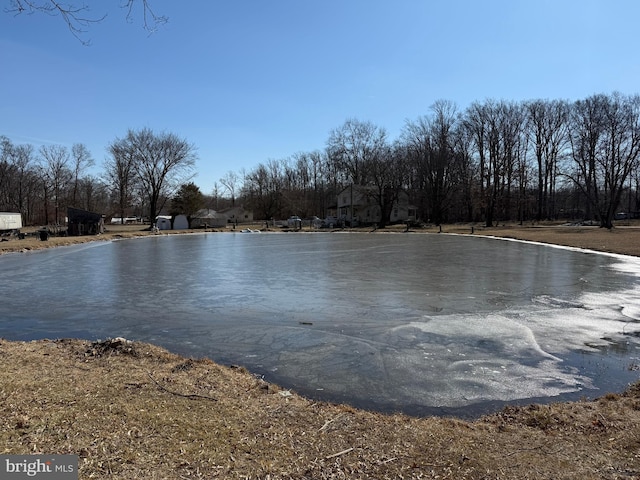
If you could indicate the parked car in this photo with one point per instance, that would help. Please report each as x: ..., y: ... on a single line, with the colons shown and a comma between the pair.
x: 315, y: 222
x: 294, y: 221
x: 330, y: 222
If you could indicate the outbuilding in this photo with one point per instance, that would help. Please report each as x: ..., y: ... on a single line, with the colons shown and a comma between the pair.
x: 180, y: 222
x: 163, y: 222
x: 83, y: 222
x: 10, y: 222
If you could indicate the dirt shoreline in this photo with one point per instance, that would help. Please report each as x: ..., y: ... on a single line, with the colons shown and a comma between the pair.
x: 132, y: 410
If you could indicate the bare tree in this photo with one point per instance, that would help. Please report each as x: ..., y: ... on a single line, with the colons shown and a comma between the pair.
x: 605, y: 141
x: 160, y: 163
x: 465, y: 174
x: 213, y: 200
x: 353, y: 145
x: 119, y: 174
x: 387, y: 172
x: 481, y: 123
x: 622, y: 135
x: 24, y: 184
x: 78, y: 17
x: 263, y: 189
x: 497, y: 132
x: 93, y: 194
x: 323, y: 194
x: 430, y: 146
x: 522, y: 174
x: 309, y: 171
x: 19, y: 183
x: 513, y: 150
x: 230, y: 182
x: 56, y: 176
x: 82, y: 160
x: 547, y: 130
x: 7, y: 151
x: 585, y: 129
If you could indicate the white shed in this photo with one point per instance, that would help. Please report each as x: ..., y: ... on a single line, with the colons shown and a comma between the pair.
x: 163, y: 222
x: 10, y: 221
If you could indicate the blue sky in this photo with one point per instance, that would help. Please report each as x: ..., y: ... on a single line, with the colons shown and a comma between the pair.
x: 251, y: 80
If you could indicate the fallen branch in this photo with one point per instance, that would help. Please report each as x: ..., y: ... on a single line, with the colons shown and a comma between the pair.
x: 185, y: 395
x: 333, y: 455
x: 328, y: 422
x: 530, y: 449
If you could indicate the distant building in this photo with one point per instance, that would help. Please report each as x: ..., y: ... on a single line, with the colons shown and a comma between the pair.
x: 163, y: 222
x: 357, y: 204
x: 207, y: 218
x: 10, y: 221
x: 180, y: 222
x: 238, y: 215
x: 83, y: 222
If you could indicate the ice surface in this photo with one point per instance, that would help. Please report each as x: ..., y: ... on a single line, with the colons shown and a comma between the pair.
x: 395, y: 322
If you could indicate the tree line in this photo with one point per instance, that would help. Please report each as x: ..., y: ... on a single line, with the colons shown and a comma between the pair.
x: 494, y: 161
x: 144, y: 172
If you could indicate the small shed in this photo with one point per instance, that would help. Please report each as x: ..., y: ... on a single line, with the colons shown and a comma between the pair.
x: 10, y: 221
x: 180, y: 222
x: 83, y: 222
x: 163, y: 222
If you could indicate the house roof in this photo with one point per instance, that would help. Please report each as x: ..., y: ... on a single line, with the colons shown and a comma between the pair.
x: 208, y: 213
x: 233, y: 209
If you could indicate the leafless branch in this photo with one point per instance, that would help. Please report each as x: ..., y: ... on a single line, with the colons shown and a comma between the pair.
x: 77, y: 16
x: 185, y: 395
x: 150, y: 19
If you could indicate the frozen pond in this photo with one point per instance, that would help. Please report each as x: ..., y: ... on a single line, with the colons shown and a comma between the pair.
x: 424, y: 324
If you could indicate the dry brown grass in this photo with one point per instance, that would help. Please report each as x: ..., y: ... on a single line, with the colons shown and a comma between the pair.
x: 133, y: 410
x: 624, y: 239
